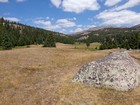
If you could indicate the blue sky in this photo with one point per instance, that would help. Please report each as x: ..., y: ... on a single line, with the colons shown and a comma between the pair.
x: 69, y: 16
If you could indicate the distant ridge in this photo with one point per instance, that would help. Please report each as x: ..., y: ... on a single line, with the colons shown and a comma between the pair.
x: 92, y: 29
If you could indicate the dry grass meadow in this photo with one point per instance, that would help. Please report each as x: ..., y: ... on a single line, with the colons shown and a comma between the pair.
x: 42, y: 76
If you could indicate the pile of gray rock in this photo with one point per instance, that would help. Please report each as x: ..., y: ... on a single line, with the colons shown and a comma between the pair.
x: 118, y: 70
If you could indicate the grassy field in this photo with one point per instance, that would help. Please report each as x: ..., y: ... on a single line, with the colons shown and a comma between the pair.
x: 0, y: 48
x: 92, y: 47
x: 17, y: 47
x: 42, y: 76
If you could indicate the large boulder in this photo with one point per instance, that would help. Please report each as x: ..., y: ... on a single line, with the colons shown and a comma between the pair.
x: 118, y: 70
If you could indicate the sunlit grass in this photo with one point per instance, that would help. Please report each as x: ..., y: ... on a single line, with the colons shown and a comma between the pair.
x: 82, y: 46
x: 43, y: 76
x: 19, y: 47
x: 1, y: 48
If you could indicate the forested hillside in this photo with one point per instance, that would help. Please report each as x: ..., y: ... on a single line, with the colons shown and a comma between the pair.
x: 15, y: 34
x: 114, y: 37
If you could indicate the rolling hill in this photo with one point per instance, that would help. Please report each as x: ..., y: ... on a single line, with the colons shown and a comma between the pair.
x: 111, y: 37
x: 18, y: 34
x: 108, y: 30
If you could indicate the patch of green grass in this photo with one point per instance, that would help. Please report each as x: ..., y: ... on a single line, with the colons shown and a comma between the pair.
x: 19, y: 47
x: 79, y: 43
x: 90, y: 49
x: 82, y: 46
x: 1, y: 48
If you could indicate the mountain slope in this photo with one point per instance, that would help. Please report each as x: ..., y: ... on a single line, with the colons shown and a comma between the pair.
x: 137, y: 27
x: 19, y: 34
x: 97, y: 31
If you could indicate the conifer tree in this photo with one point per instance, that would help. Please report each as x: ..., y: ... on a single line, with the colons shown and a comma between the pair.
x: 50, y: 41
x: 21, y: 41
x: 87, y: 43
x: 6, y: 43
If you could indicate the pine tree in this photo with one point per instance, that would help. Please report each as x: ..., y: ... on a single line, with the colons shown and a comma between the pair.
x: 138, y: 41
x: 87, y: 43
x: 103, y: 46
x: 50, y: 41
x: 6, y: 43
x: 21, y: 41
x: 0, y: 40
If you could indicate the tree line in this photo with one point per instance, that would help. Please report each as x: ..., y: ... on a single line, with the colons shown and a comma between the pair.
x: 110, y: 38
x: 15, y: 34
x: 122, y: 41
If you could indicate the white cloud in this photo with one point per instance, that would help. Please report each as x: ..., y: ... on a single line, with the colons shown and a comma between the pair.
x: 43, y: 22
x: 76, y: 6
x: 79, y: 26
x: 51, y: 27
x: 3, y: 1
x: 6, y: 13
x: 47, y: 18
x: 129, y: 4
x: 46, y: 24
x: 52, y: 19
x: 20, y: 0
x: 119, y: 17
x: 74, y: 18
x: 65, y: 23
x: 63, y: 31
x: 56, y: 3
x: 12, y: 19
x: 78, y: 30
x: 112, y: 2
x: 90, y: 19
x: 44, y: 18
x: 60, y: 23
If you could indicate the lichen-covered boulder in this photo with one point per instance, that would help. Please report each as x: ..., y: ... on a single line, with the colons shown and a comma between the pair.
x: 118, y: 71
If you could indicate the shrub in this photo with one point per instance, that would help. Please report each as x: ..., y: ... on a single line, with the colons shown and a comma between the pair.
x: 6, y: 43
x: 50, y: 42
